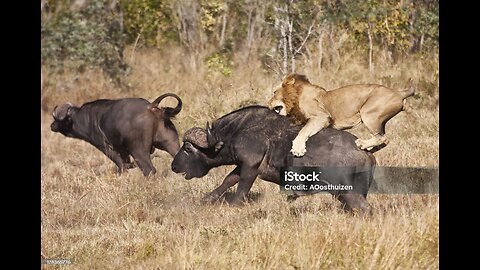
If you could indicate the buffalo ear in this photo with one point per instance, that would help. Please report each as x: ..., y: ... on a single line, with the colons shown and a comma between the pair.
x: 70, y: 109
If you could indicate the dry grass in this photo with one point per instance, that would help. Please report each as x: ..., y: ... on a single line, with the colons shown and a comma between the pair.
x: 101, y: 220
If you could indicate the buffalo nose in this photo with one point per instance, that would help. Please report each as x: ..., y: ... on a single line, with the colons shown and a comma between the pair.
x: 174, y: 168
x: 54, y: 127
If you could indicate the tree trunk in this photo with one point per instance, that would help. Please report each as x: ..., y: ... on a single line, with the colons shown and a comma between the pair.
x: 422, y: 38
x: 249, y: 29
x: 320, y: 50
x: 224, y: 26
x: 284, y: 45
x: 412, y: 30
x: 334, y: 55
x: 290, y: 46
x: 190, y: 33
x: 370, y: 49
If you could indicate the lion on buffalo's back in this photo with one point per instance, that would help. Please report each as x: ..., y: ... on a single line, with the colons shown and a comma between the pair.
x: 343, y: 108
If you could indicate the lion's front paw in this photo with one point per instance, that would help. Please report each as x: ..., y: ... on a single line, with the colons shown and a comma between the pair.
x: 298, y: 148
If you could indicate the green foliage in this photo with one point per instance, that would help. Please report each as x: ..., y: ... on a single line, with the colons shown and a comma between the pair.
x: 303, y: 15
x: 89, y: 38
x: 149, y: 21
x: 219, y: 63
x: 238, y: 17
x: 391, y: 23
x: 426, y: 23
x: 211, y: 11
x: 97, y: 34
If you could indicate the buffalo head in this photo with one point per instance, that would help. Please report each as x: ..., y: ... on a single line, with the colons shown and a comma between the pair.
x: 62, y: 119
x: 197, y: 154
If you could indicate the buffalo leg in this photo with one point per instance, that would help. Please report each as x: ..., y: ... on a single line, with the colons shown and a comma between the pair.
x: 232, y: 178
x: 355, y: 203
x: 247, y: 177
x: 292, y: 198
x: 142, y: 158
x: 127, y: 162
x: 117, y: 158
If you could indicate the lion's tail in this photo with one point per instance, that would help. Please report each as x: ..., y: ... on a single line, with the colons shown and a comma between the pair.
x: 409, y: 91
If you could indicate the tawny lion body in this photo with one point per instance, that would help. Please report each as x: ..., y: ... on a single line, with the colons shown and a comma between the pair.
x: 342, y: 108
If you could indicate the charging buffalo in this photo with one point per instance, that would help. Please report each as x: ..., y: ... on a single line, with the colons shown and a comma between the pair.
x: 123, y: 127
x: 258, y: 141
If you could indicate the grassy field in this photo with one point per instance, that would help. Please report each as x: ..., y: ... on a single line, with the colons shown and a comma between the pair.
x: 100, y: 220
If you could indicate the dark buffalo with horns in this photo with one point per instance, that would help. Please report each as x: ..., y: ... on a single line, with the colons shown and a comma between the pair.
x: 258, y: 141
x: 122, y: 128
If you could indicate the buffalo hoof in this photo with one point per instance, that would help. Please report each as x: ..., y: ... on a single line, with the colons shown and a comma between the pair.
x: 130, y: 165
x: 238, y: 203
x: 210, y: 198
x: 292, y: 198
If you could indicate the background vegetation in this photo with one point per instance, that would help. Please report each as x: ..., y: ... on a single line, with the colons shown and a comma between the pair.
x: 286, y: 36
x: 218, y: 56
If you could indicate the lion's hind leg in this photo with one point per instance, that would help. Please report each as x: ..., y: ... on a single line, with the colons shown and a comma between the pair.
x: 375, y: 113
x: 374, y: 141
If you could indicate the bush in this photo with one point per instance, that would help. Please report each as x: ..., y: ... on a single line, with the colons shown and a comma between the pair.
x: 91, y: 37
x: 150, y: 21
x: 219, y: 63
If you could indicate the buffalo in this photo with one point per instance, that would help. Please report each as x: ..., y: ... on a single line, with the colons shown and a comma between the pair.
x: 258, y: 141
x: 122, y: 128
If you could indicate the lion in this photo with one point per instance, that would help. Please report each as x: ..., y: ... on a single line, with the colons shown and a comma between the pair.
x: 342, y: 108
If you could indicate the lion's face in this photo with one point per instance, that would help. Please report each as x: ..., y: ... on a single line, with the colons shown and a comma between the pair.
x: 285, y: 100
x: 277, y: 104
